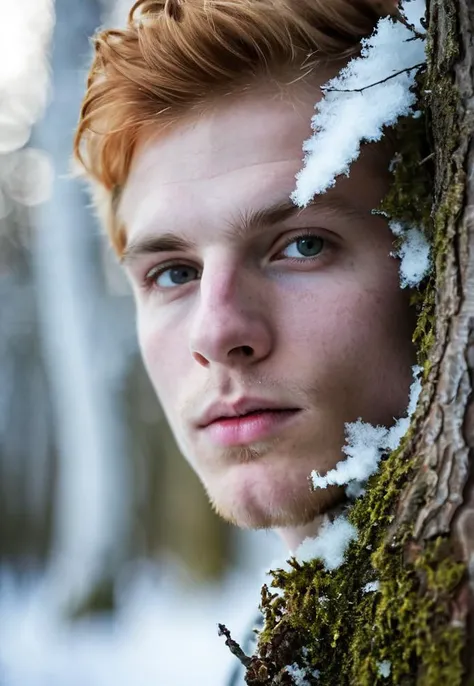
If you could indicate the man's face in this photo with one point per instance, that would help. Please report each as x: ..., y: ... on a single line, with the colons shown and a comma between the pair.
x: 244, y: 303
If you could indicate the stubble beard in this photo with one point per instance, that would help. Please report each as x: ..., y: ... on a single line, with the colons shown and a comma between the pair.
x: 300, y: 511
x: 300, y: 508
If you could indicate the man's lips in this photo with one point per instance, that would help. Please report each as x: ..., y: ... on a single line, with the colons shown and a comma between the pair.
x: 244, y: 407
x: 249, y: 428
x: 249, y: 415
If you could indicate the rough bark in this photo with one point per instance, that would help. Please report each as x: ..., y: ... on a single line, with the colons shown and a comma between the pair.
x: 416, y: 521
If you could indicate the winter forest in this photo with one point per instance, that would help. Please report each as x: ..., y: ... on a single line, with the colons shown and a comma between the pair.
x: 114, y: 569
x: 105, y: 566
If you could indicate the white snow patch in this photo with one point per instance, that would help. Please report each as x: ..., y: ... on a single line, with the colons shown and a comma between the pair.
x: 300, y: 674
x: 371, y: 587
x: 354, y: 490
x: 366, y: 444
x: 414, y: 254
x: 142, y: 645
x: 343, y: 120
x: 330, y: 545
x: 364, y: 449
x: 384, y: 668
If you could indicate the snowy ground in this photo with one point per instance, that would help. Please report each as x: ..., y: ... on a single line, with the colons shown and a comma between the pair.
x: 164, y: 634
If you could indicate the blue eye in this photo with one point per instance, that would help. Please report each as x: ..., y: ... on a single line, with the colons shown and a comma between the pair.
x: 307, y: 246
x: 169, y: 277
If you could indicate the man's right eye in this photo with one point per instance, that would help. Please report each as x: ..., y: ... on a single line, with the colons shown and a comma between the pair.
x: 171, y: 276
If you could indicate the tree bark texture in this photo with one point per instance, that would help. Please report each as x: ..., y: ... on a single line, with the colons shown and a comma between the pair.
x: 416, y: 520
x: 445, y: 435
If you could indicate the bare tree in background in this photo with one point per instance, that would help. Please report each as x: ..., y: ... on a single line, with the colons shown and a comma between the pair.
x: 80, y: 330
x: 27, y: 442
x: 90, y: 476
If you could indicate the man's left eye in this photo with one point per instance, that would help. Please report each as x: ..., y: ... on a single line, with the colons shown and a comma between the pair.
x: 304, y: 246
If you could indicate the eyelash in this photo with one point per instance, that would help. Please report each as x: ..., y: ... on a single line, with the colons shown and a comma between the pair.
x: 151, y: 276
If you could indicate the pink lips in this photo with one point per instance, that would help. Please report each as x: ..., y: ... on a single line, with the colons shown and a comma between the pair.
x: 251, y: 427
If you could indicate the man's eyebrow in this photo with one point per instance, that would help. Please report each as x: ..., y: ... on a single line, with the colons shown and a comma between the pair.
x: 244, y: 227
x: 247, y: 224
x: 150, y: 245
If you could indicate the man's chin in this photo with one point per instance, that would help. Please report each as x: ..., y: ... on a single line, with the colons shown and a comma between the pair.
x: 265, y: 515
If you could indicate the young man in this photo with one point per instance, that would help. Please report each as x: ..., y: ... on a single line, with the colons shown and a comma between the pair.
x: 264, y: 328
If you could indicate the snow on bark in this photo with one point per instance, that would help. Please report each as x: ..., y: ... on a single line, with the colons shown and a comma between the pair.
x: 366, y: 444
x: 372, y: 92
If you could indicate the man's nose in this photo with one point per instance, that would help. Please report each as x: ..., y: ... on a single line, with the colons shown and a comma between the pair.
x: 232, y: 324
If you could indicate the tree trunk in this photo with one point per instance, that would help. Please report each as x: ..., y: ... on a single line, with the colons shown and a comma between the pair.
x: 416, y: 520
x: 79, y: 326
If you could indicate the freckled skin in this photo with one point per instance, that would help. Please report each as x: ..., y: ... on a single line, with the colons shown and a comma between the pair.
x: 331, y: 336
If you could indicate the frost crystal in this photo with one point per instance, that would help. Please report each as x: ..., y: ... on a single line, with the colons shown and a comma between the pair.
x: 343, y: 120
x: 414, y: 254
x: 300, y: 674
x: 371, y: 587
x: 354, y: 490
x: 366, y: 444
x: 330, y: 545
x: 384, y: 668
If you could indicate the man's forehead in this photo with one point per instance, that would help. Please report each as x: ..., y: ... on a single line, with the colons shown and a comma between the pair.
x: 225, y: 138
x: 248, y: 138
x: 201, y: 206
x: 243, y: 155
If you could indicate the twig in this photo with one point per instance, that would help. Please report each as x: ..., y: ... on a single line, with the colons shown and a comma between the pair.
x: 401, y: 18
x: 425, y: 159
x: 233, y: 646
x: 371, y: 85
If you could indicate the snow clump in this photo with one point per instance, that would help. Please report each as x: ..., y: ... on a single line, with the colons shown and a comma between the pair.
x: 329, y: 545
x: 366, y: 444
x: 354, y: 490
x: 384, y: 668
x: 373, y: 91
x: 300, y: 674
x: 414, y: 254
x: 371, y: 587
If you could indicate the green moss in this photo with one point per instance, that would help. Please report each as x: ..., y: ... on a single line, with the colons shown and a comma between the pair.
x: 410, y: 197
x: 410, y: 201
x: 424, y: 334
x: 348, y: 632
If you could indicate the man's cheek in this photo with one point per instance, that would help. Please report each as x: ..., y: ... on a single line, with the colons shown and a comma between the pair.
x: 165, y: 369
x: 148, y: 353
x: 156, y: 360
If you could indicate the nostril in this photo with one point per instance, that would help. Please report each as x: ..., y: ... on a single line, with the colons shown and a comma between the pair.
x: 247, y: 350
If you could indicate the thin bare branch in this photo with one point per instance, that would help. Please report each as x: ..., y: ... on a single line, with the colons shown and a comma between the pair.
x: 233, y: 646
x: 371, y: 85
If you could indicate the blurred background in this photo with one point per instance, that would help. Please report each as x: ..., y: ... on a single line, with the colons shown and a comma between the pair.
x: 113, y: 568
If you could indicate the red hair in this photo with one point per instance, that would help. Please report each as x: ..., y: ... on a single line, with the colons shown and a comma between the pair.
x: 175, y: 56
